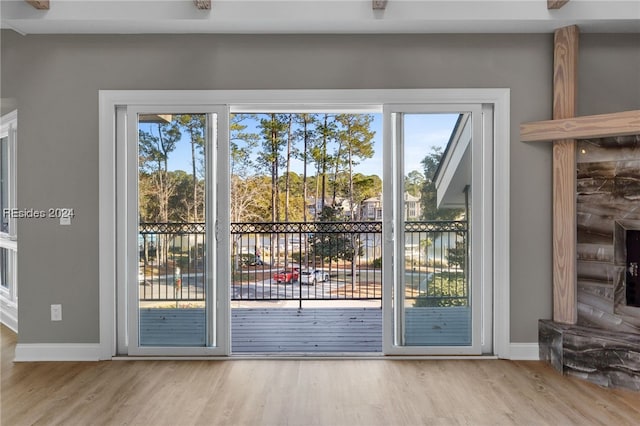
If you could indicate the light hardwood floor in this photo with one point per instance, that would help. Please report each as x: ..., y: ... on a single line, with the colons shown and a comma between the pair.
x: 293, y: 392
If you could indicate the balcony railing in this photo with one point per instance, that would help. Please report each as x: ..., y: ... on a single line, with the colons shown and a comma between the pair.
x: 306, y: 261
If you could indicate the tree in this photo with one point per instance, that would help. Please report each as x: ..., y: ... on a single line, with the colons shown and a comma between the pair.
x: 356, y: 139
x: 457, y: 256
x: 247, y: 191
x: 153, y: 154
x: 155, y: 181
x: 327, y: 130
x: 330, y: 245
x: 287, y: 189
x: 365, y: 187
x: 307, y: 133
x: 414, y: 182
x: 272, y: 130
x: 195, y: 126
x: 294, y: 182
x: 181, y: 203
x: 428, y: 193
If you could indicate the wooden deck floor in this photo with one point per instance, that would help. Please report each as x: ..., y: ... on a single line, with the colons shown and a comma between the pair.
x: 307, y: 330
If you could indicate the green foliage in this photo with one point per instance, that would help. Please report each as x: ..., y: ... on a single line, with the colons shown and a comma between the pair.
x: 329, y: 145
x: 366, y: 187
x: 377, y: 263
x: 457, y: 256
x: 414, y: 182
x: 428, y: 193
x: 444, y: 290
x: 333, y: 246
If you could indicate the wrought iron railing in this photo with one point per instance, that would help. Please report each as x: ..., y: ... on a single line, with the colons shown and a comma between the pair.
x: 306, y: 261
x: 171, y: 261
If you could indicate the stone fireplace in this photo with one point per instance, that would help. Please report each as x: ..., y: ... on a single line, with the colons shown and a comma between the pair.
x: 632, y: 280
x: 604, y: 345
x: 608, y: 213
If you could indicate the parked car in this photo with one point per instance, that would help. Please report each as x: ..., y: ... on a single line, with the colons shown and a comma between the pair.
x: 249, y: 259
x: 313, y: 276
x: 286, y: 275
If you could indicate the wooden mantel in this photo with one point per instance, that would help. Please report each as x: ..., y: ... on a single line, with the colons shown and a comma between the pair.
x: 585, y: 127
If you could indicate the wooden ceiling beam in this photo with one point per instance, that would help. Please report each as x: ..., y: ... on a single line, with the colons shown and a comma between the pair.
x: 203, y: 4
x: 585, y: 127
x: 556, y: 4
x: 379, y: 4
x: 39, y: 4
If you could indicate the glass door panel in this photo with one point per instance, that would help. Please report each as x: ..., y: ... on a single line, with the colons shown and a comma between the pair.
x: 171, y: 232
x: 433, y: 296
x: 436, y: 299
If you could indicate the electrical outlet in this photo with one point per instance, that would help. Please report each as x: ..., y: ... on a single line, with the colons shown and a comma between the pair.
x: 56, y: 312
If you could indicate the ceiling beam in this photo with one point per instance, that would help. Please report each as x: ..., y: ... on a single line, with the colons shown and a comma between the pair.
x: 556, y: 4
x: 39, y: 4
x: 585, y: 127
x: 203, y: 4
x: 379, y: 4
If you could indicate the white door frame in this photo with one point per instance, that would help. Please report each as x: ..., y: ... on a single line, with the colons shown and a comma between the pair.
x: 480, y: 231
x: 109, y: 100
x: 217, y: 326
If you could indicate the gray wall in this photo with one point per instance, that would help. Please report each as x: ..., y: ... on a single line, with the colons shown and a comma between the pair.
x: 55, y: 81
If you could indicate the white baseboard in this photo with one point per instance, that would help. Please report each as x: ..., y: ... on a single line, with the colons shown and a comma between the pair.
x: 33, y: 352
x: 524, y: 352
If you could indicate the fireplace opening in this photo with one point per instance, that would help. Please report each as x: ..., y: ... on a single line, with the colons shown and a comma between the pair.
x: 633, y: 260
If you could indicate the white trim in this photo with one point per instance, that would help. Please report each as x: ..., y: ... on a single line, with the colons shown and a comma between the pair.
x: 9, y: 240
x: 331, y: 356
x: 220, y: 193
x: 107, y: 222
x: 9, y: 314
x: 501, y: 227
x: 481, y: 240
x: 35, y: 352
x: 109, y: 99
x: 121, y: 335
x: 217, y: 299
x: 524, y: 352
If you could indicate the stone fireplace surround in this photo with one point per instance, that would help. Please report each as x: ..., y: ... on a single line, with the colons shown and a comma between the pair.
x: 604, y: 345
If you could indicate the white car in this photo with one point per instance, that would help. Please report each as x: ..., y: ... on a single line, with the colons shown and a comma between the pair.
x: 313, y: 276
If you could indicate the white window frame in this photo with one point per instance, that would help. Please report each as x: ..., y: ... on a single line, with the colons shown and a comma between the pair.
x: 9, y: 240
x: 305, y: 100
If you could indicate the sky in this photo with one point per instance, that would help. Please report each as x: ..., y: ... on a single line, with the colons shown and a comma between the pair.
x: 422, y: 133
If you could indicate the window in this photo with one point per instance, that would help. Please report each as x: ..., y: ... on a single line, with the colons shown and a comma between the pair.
x: 8, y: 237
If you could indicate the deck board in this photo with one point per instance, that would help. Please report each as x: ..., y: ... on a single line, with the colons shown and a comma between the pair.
x: 307, y: 330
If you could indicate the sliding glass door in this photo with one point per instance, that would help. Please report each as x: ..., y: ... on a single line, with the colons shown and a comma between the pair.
x: 440, y: 256
x: 437, y: 283
x: 175, y: 305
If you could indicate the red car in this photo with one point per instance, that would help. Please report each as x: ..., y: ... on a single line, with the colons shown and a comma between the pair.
x: 286, y: 276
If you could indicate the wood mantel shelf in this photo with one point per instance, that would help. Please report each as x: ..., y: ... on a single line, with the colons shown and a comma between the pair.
x: 585, y: 127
